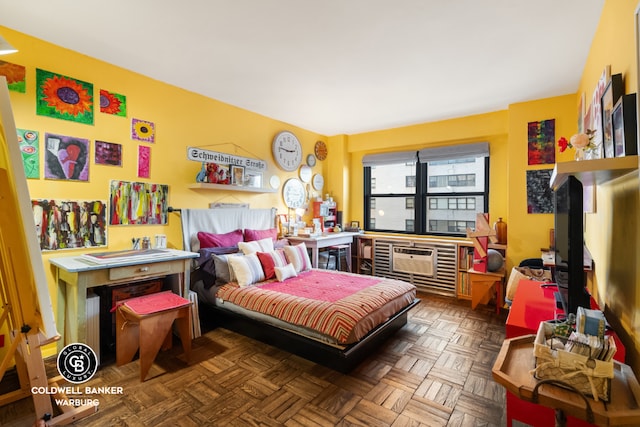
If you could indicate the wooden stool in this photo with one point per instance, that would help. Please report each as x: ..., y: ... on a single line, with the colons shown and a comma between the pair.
x: 482, y: 285
x: 145, y: 323
x: 339, y: 251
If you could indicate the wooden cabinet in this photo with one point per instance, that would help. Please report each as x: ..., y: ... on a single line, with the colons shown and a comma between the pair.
x: 328, y: 211
x: 362, y: 256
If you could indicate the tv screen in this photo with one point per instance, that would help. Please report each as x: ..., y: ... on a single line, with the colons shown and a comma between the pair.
x: 569, y: 245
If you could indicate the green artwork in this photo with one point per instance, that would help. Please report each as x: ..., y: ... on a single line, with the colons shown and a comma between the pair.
x: 29, y: 142
x: 64, y: 98
x: 113, y: 103
x: 15, y: 75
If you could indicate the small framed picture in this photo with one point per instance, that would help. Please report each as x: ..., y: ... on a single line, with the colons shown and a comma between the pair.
x: 612, y: 92
x: 355, y: 224
x: 252, y: 178
x: 623, y: 121
x: 237, y: 175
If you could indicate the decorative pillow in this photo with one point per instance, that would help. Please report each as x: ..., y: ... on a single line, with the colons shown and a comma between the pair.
x: 224, y: 274
x: 247, y: 269
x: 251, y: 235
x: 281, y: 243
x: 298, y: 256
x: 269, y: 260
x: 206, y: 263
x: 263, y: 245
x: 210, y: 240
x: 284, y: 273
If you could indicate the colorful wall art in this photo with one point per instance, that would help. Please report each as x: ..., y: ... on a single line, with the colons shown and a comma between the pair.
x: 541, y: 142
x: 113, y: 103
x: 16, y: 76
x: 143, y: 130
x: 144, y: 161
x: 29, y: 142
x: 63, y: 97
x: 70, y: 224
x: 138, y: 203
x: 66, y: 158
x: 108, y: 153
x: 539, y: 194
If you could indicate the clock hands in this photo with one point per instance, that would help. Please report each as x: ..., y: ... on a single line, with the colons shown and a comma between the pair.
x: 288, y: 151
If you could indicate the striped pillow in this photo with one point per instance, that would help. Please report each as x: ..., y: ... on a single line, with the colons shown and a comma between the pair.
x: 298, y: 256
x: 247, y: 269
x: 263, y: 245
x: 270, y: 260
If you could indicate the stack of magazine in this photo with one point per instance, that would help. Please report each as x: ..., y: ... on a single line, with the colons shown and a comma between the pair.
x: 591, y: 346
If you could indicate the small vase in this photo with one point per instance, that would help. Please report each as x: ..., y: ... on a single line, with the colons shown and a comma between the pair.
x: 579, y: 154
x: 501, y: 231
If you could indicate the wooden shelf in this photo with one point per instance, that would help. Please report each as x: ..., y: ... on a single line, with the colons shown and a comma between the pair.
x: 225, y: 187
x: 597, y: 171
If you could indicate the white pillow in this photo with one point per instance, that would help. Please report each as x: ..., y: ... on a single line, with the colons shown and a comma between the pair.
x: 283, y: 273
x: 247, y: 269
x: 298, y: 256
x: 262, y: 245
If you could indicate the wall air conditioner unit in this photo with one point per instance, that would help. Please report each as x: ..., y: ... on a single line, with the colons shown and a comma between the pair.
x: 414, y: 260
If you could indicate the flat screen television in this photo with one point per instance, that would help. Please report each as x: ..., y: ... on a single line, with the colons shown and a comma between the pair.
x: 569, y: 246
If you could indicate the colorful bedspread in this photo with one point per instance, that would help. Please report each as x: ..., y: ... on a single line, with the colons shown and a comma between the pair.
x: 344, y: 306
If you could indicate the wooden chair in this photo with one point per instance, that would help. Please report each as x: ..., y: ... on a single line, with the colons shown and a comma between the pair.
x: 145, y: 323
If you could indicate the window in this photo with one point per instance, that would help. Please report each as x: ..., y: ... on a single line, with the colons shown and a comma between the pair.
x: 443, y: 189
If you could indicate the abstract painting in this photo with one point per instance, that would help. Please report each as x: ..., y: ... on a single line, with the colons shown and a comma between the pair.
x: 108, y: 153
x: 143, y: 130
x: 63, y: 97
x: 541, y: 137
x: 144, y: 161
x: 66, y: 157
x: 16, y: 76
x: 138, y: 203
x: 29, y: 142
x: 70, y: 224
x: 539, y: 194
x: 113, y: 103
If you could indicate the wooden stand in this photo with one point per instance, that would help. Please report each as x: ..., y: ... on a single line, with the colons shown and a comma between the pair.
x: 149, y: 332
x: 482, y: 285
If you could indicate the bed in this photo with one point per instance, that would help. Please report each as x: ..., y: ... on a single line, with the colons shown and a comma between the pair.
x: 264, y: 288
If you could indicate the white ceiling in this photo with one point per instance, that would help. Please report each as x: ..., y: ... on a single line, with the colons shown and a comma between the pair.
x: 333, y: 66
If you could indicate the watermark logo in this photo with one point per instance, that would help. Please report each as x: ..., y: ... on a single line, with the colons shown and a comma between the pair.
x: 77, y: 363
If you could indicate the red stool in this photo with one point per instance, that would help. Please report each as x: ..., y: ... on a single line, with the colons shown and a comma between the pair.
x: 145, y: 323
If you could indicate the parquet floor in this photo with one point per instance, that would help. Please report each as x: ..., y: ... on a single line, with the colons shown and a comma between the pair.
x: 436, y: 371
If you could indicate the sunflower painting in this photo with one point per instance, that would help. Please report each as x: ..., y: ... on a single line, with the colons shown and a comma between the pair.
x: 64, y: 98
x: 143, y: 130
x: 113, y: 103
x: 16, y: 76
x: 29, y: 143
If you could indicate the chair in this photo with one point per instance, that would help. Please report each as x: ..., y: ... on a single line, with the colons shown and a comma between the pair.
x: 340, y: 252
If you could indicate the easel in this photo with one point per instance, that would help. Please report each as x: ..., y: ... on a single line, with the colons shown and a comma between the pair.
x: 25, y: 303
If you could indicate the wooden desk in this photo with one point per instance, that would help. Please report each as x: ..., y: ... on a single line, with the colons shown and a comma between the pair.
x: 75, y: 274
x: 326, y: 240
x: 481, y: 285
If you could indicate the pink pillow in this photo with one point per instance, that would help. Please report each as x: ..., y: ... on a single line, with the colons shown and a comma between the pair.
x: 251, y: 235
x: 210, y: 240
x: 270, y: 260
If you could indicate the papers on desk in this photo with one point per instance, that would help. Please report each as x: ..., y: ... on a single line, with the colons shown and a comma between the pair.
x: 126, y: 255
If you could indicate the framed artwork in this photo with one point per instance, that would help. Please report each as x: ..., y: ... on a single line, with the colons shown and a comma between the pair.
x: 63, y: 97
x: 541, y: 147
x: 143, y: 130
x: 66, y: 158
x: 539, y: 193
x: 624, y: 126
x: 355, y: 224
x: 133, y: 203
x: 596, y: 113
x: 113, y: 103
x: 16, y: 76
x: 29, y: 142
x: 237, y: 175
x: 144, y: 161
x: 252, y: 178
x: 612, y: 93
x: 108, y: 153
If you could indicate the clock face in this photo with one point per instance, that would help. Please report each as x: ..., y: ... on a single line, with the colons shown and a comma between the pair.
x: 311, y: 160
x: 305, y: 173
x: 318, y: 182
x: 321, y: 150
x: 287, y: 151
x: 293, y: 193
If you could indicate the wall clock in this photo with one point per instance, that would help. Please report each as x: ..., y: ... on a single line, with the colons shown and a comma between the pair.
x: 311, y: 160
x: 287, y: 151
x: 305, y: 173
x: 321, y: 150
x: 293, y: 193
x: 274, y: 181
x: 318, y: 182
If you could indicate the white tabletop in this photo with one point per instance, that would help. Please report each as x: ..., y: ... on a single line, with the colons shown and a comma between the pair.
x: 87, y: 262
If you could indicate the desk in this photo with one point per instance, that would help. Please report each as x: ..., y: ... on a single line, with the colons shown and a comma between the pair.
x: 75, y: 274
x: 326, y: 240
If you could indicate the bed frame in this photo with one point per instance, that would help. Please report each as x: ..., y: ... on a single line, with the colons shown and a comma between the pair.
x: 340, y: 359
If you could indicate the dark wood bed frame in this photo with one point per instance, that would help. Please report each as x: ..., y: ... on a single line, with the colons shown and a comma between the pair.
x: 341, y: 360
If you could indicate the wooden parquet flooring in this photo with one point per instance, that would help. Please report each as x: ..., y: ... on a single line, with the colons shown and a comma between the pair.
x: 436, y: 371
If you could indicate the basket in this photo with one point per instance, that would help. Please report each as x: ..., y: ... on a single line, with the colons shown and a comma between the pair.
x: 587, y: 375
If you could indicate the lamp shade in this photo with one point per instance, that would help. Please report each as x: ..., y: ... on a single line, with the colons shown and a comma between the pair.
x: 5, y: 47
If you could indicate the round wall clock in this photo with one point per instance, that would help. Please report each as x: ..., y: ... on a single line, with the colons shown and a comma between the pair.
x: 293, y: 193
x: 311, y: 160
x: 318, y: 182
x: 287, y: 151
x: 305, y: 173
x: 321, y: 150
x: 274, y: 181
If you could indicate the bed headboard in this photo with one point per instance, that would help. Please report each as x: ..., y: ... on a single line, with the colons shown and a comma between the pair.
x: 223, y: 220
